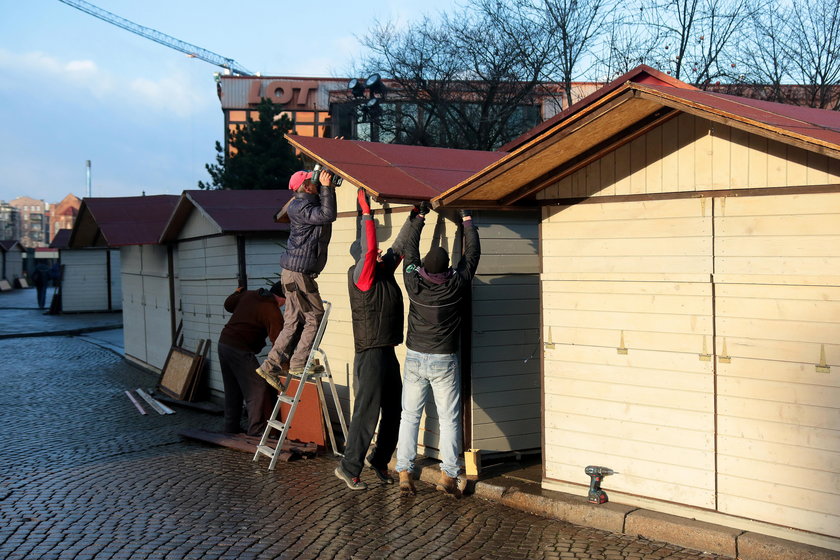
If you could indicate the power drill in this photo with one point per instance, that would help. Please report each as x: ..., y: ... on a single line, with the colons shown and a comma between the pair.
x: 596, y: 475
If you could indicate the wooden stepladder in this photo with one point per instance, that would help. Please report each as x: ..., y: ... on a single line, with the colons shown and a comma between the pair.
x: 316, y: 373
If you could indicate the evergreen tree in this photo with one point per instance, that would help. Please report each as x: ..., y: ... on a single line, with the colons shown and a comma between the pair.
x: 259, y: 158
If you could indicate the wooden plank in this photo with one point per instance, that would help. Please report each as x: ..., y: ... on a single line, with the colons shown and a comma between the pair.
x: 781, y: 205
x: 653, y: 151
x: 617, y: 410
x: 704, y: 157
x: 650, y: 322
x: 632, y: 430
x: 506, y: 429
x: 667, y: 304
x: 630, y: 211
x: 740, y: 159
x: 519, y: 442
x: 595, y: 392
x: 670, y: 155
x: 797, y: 438
x: 636, y: 340
x: 638, y: 166
x: 816, y: 498
x: 800, y: 245
x: 789, y: 372
x: 757, y: 161
x: 631, y: 265
x: 775, y: 411
x: 686, y: 152
x: 804, y: 519
x: 483, y: 415
x: 690, y: 382
x: 622, y: 170
x: 622, y: 247
x: 722, y: 156
x: 652, y: 289
x: 797, y: 166
x: 785, y: 392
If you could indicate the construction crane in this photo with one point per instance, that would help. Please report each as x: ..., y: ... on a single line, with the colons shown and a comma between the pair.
x: 193, y: 51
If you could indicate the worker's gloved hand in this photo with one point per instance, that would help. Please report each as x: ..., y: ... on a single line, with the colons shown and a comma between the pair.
x: 465, y: 214
x: 424, y: 208
x: 363, y: 203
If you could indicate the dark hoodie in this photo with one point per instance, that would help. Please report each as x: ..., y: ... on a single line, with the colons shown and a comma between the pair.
x: 438, y: 301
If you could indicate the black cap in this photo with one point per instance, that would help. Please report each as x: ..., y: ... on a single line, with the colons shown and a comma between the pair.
x: 437, y: 260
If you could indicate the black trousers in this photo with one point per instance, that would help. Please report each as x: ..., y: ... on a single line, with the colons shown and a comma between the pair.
x: 379, y: 388
x: 242, y: 383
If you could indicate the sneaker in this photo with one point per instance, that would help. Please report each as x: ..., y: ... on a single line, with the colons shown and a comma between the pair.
x: 407, y: 484
x: 383, y: 475
x: 273, y: 379
x: 353, y: 483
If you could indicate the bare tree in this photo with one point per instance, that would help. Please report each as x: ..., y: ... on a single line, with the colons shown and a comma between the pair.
x: 576, y: 25
x: 764, y: 57
x: 468, y: 81
x: 813, y: 46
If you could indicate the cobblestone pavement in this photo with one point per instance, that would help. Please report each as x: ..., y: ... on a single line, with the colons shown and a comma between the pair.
x: 83, y: 475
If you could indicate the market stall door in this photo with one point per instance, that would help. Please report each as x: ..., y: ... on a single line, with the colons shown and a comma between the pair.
x: 627, y: 336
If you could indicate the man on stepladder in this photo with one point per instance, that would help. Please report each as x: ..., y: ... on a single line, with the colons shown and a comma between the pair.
x: 376, y: 307
x: 437, y: 294
x: 311, y: 214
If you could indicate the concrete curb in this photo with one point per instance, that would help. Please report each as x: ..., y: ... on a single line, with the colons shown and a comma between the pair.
x: 618, y: 518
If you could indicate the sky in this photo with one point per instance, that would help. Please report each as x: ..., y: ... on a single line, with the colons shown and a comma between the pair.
x: 75, y: 88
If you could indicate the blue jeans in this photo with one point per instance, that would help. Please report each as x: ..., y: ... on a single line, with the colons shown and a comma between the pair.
x: 442, y: 374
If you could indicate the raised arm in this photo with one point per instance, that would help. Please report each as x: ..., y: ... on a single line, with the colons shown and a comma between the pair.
x: 365, y: 269
x: 472, y: 246
x: 411, y: 247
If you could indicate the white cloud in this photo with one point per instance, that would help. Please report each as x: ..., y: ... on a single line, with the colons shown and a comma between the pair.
x: 173, y: 92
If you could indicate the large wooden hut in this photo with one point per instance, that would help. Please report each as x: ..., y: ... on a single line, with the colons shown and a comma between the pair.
x: 690, y: 299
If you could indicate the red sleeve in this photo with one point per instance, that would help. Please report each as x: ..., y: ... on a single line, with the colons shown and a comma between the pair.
x: 365, y: 279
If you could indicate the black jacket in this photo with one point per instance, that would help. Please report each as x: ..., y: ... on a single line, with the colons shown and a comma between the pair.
x: 436, y: 309
x: 311, y: 217
x: 378, y: 312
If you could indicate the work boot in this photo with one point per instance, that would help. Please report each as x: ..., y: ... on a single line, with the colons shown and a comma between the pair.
x: 298, y: 370
x: 452, y: 486
x: 274, y: 378
x: 407, y: 483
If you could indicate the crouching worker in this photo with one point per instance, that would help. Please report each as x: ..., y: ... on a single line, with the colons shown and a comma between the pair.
x: 437, y: 294
x: 256, y: 315
x: 377, y: 312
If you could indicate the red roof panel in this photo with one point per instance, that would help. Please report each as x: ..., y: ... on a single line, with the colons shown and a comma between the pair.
x: 396, y: 171
x: 131, y: 220
x: 242, y: 210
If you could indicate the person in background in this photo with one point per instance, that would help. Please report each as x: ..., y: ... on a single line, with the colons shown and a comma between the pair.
x: 438, y: 296
x: 376, y: 307
x: 41, y: 279
x: 255, y: 316
x: 311, y: 213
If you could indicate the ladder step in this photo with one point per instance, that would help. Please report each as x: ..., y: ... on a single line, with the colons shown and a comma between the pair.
x: 277, y: 424
x: 265, y: 450
x: 286, y: 399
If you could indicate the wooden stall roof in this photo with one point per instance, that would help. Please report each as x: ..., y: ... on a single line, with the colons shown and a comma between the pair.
x: 118, y: 221
x: 394, y: 172
x: 622, y: 114
x: 7, y: 245
x: 61, y: 239
x: 230, y: 211
x: 641, y: 74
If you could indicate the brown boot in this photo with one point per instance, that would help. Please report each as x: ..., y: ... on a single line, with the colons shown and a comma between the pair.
x: 407, y: 483
x: 449, y: 485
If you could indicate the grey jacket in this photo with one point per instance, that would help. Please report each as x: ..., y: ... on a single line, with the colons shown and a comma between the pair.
x: 311, y: 217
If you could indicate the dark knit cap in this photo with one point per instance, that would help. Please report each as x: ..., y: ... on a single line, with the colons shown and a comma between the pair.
x: 437, y: 260
x: 277, y: 290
